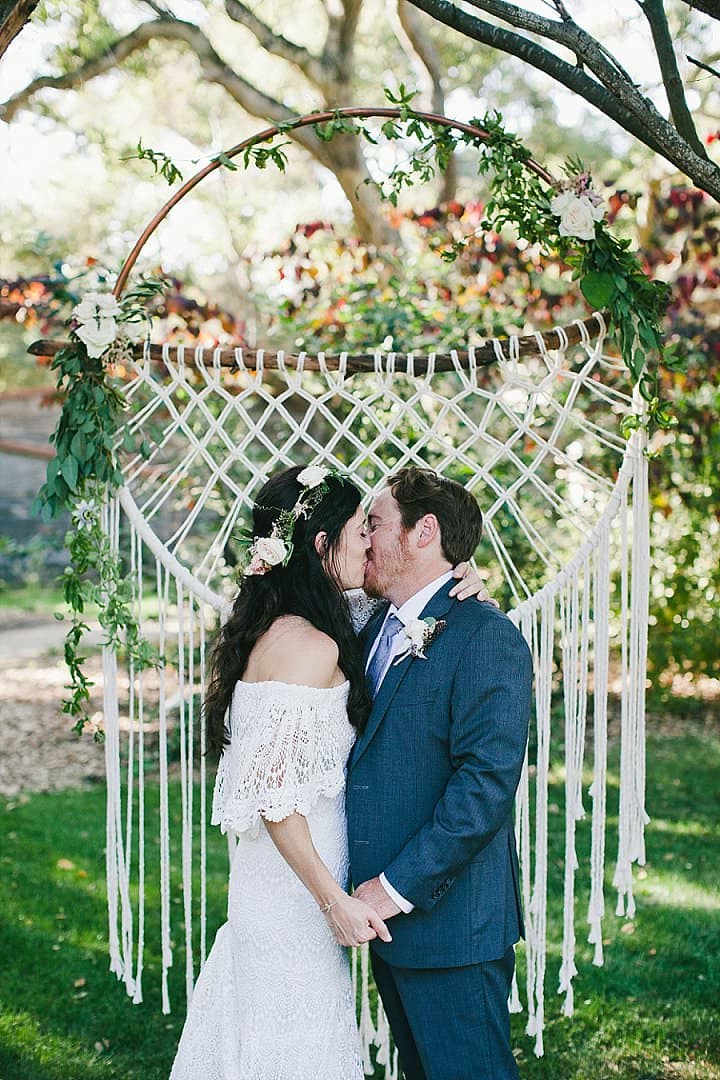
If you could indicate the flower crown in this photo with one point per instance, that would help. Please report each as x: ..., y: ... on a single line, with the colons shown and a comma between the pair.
x: 275, y: 550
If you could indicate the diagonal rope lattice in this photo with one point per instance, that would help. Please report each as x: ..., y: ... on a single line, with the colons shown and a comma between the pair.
x: 564, y: 497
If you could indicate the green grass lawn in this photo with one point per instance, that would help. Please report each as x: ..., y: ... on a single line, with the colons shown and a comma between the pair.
x: 651, y: 1012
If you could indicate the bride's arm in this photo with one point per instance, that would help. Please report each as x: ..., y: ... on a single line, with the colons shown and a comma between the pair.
x: 352, y: 921
x: 299, y: 653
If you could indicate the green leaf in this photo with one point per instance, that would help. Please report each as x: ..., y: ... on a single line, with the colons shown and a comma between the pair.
x: 223, y: 159
x: 598, y: 288
x: 69, y: 470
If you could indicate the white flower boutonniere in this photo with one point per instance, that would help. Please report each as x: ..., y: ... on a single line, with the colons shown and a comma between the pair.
x: 418, y: 634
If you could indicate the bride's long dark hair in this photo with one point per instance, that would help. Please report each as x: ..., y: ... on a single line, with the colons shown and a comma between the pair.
x: 303, y: 588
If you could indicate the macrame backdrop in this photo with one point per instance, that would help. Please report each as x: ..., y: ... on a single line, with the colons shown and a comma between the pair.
x: 531, y: 437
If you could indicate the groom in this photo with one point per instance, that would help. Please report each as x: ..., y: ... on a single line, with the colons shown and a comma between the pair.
x: 431, y: 784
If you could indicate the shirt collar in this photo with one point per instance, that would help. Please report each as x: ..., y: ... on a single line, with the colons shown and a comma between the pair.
x: 411, y: 608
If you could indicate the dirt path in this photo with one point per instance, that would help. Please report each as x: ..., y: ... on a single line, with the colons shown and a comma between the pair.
x: 38, y: 750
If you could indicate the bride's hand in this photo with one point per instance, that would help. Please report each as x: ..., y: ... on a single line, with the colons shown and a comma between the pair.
x: 354, y: 922
x: 469, y: 583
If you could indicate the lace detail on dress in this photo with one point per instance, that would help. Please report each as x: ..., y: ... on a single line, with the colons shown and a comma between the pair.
x: 274, y: 1000
x: 361, y: 607
x: 288, y: 746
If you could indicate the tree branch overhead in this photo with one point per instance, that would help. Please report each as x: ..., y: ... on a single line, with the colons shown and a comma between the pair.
x: 598, y: 76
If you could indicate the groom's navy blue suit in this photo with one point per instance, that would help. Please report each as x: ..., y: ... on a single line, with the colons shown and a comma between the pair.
x: 430, y: 791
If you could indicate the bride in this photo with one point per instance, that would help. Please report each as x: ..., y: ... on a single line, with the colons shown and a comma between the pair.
x: 274, y: 1000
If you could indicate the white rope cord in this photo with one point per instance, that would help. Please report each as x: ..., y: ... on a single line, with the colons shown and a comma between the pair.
x: 385, y: 433
x: 537, y: 908
x: 526, y: 437
x: 635, y: 602
x: 203, y: 792
x: 186, y: 789
x: 598, y: 788
x: 137, y: 570
x: 367, y: 1028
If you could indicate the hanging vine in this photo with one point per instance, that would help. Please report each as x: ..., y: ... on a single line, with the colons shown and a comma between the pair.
x: 83, y: 472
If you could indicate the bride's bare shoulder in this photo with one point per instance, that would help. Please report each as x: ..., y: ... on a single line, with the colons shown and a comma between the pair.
x: 293, y: 650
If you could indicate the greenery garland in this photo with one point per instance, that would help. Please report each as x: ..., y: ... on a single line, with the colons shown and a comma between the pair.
x: 84, y: 470
x: 564, y: 219
x: 610, y: 275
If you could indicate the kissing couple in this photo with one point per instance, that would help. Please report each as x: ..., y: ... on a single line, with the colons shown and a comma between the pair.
x: 387, y: 761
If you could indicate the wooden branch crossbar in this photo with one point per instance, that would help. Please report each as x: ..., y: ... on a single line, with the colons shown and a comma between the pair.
x: 356, y: 363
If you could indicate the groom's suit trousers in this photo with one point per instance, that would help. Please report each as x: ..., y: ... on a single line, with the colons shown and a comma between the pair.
x: 472, y: 1039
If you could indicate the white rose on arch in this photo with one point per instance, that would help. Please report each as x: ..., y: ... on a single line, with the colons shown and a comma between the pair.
x: 97, y: 335
x: 312, y: 476
x: 271, y: 549
x: 577, y: 214
x: 97, y: 305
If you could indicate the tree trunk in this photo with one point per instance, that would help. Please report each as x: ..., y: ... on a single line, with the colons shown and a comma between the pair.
x: 343, y: 156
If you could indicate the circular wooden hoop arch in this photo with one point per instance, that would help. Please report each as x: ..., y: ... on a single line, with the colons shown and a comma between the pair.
x: 482, y: 356
x: 268, y: 134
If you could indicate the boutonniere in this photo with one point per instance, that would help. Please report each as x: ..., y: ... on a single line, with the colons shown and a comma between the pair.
x: 418, y: 634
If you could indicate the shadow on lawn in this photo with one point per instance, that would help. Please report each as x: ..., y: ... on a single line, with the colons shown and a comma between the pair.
x: 649, y: 1014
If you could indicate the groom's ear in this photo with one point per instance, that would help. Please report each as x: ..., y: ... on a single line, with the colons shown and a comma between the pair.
x: 428, y: 530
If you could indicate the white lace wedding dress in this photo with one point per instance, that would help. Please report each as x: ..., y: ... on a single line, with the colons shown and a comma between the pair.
x: 274, y: 1000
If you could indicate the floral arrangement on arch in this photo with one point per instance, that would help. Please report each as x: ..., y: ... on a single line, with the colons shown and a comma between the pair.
x: 85, y: 469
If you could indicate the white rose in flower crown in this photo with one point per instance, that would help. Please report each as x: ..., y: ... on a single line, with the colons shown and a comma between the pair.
x: 97, y: 335
x: 271, y: 549
x: 312, y: 476
x: 577, y: 215
x: 96, y: 306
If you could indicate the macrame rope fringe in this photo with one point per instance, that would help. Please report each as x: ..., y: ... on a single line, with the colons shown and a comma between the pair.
x: 518, y: 438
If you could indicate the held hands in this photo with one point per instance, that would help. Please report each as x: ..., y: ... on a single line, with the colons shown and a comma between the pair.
x: 373, y: 893
x: 470, y: 584
x: 353, y: 921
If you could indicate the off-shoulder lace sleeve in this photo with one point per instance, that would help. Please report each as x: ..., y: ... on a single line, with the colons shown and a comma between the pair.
x: 288, y: 746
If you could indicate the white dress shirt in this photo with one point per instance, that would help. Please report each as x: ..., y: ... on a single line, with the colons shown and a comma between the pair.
x: 408, y: 611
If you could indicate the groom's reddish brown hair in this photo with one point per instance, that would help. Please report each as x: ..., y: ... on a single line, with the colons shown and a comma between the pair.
x: 421, y: 491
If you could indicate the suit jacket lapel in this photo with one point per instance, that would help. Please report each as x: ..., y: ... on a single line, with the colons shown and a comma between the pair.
x: 437, y: 606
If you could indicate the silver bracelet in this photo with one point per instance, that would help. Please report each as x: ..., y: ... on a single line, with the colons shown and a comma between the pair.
x: 327, y: 907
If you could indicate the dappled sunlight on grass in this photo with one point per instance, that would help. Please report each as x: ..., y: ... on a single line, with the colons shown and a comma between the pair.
x: 650, y: 1013
x: 674, y: 889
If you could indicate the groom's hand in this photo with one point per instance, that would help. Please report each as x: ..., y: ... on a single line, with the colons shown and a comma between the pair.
x: 373, y: 893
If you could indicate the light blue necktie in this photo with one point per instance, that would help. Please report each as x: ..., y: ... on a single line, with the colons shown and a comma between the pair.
x: 376, y: 666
